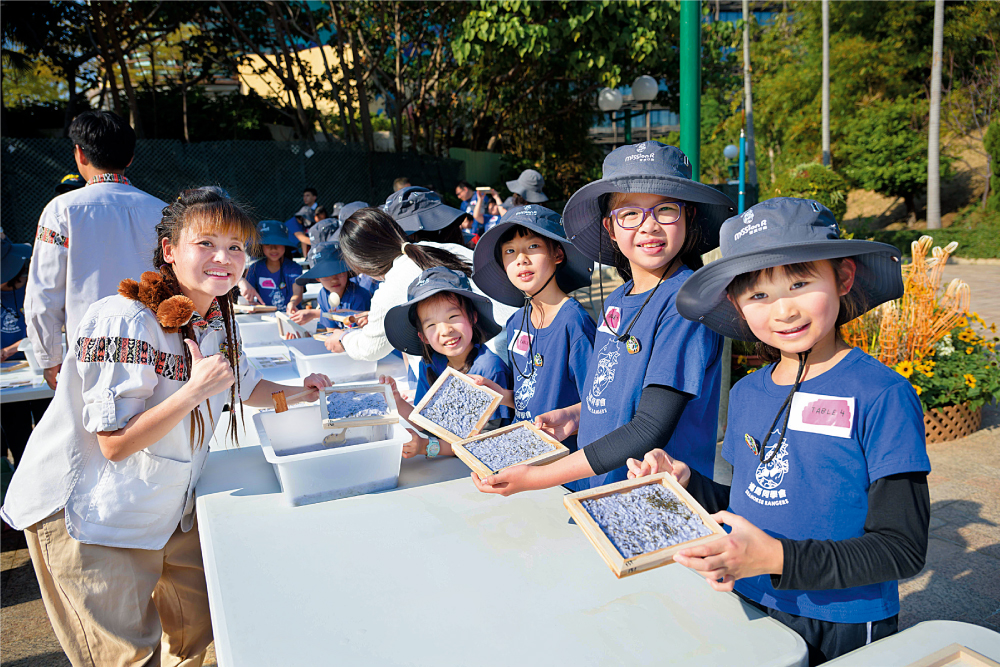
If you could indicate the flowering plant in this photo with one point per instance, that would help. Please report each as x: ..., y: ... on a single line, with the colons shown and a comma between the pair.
x: 961, y: 368
x: 929, y: 336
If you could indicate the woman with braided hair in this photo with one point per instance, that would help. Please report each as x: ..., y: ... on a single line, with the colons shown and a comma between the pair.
x: 105, y: 492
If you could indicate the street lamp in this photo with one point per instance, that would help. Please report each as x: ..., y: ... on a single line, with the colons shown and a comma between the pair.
x: 644, y: 90
x: 731, y: 152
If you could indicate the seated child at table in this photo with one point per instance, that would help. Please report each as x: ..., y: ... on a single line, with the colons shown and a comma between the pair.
x: 270, y: 280
x: 445, y: 323
x: 332, y: 273
x: 828, y: 507
x: 526, y: 260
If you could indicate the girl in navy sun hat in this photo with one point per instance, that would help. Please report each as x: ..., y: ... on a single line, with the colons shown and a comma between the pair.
x: 525, y: 260
x: 339, y: 292
x: 270, y: 279
x: 828, y: 506
x: 653, y: 377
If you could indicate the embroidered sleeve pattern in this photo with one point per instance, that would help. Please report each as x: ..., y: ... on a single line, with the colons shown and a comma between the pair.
x: 131, y: 351
x: 48, y: 236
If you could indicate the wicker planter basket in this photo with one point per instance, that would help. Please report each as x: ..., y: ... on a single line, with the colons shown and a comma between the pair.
x: 951, y: 422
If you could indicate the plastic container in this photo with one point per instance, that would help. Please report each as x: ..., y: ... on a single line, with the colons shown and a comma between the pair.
x: 311, y: 356
x: 26, y: 347
x: 256, y: 329
x: 310, y: 472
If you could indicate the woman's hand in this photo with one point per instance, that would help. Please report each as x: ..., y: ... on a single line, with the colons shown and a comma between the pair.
x: 209, y: 375
x: 332, y: 341
x: 361, y: 319
x: 561, y: 423
x: 249, y: 293
x: 509, y: 481
x: 659, y: 461
x: 745, y: 552
x: 416, y: 445
x: 315, y: 381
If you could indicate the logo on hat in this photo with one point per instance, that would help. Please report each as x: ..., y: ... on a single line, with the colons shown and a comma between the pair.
x: 641, y: 147
x: 422, y: 281
x: 748, y: 217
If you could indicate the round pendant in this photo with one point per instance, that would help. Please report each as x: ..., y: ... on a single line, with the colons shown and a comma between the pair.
x: 752, y: 443
x: 538, y: 359
x: 281, y: 286
x: 632, y: 345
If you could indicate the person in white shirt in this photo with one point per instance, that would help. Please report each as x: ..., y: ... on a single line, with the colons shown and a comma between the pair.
x: 88, y: 240
x: 105, y: 491
x: 371, y: 242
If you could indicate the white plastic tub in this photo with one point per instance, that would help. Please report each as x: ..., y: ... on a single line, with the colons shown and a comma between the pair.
x: 258, y: 329
x: 310, y: 472
x: 311, y: 356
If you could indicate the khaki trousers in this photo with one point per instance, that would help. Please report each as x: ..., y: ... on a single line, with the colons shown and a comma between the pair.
x: 111, y: 606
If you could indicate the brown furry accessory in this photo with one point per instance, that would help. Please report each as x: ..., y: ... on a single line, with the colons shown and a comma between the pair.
x: 158, y: 292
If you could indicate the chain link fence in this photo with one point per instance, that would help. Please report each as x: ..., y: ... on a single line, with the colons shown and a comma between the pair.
x: 268, y: 176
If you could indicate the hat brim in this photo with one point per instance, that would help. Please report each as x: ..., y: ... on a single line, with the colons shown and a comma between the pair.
x: 402, y: 333
x: 431, y: 219
x: 582, y: 216
x: 277, y: 240
x: 14, y: 261
x: 489, y: 275
x: 703, y: 299
x: 530, y: 196
x: 322, y: 271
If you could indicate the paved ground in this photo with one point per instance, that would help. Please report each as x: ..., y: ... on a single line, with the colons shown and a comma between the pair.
x: 961, y: 580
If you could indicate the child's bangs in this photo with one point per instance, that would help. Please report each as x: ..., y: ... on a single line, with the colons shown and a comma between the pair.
x: 225, y: 219
x: 519, y: 232
x: 745, y: 282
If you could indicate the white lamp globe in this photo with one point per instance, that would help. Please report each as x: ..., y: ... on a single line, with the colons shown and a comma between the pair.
x: 609, y: 99
x: 645, y: 88
x: 731, y: 152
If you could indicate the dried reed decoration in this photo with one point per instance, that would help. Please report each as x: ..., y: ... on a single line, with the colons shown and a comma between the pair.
x: 908, y: 329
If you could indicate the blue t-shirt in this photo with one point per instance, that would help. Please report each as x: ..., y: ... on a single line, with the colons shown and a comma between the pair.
x: 564, y: 348
x: 856, y: 423
x: 293, y: 225
x: 489, y: 222
x: 354, y: 298
x: 367, y: 283
x: 12, y: 326
x: 274, y: 288
x: 673, y: 352
x: 486, y: 363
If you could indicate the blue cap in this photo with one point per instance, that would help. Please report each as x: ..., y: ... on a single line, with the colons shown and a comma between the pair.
x: 326, y: 261
x: 415, y: 208
x: 401, y: 321
x: 349, y: 209
x: 529, y: 185
x: 651, y: 168
x: 780, y: 231
x: 274, y: 232
x: 14, y: 257
x: 491, y: 277
x: 323, y: 231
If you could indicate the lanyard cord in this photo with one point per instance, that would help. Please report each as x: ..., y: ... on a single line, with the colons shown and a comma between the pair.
x: 526, y: 328
x: 803, y: 356
x: 16, y: 310
x: 624, y: 336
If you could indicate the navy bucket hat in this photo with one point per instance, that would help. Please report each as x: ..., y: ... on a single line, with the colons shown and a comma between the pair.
x: 489, y: 275
x: 326, y: 261
x: 780, y: 231
x: 349, y: 209
x: 652, y: 168
x: 15, y: 256
x: 529, y: 185
x: 401, y: 325
x: 274, y: 232
x: 324, y: 231
x: 415, y: 208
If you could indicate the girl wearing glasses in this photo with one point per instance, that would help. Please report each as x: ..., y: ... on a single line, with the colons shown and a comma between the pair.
x: 653, y: 379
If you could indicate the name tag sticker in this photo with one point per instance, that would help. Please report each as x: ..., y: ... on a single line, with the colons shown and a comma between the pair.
x: 827, y: 415
x: 268, y: 283
x: 520, y: 343
x: 612, y: 318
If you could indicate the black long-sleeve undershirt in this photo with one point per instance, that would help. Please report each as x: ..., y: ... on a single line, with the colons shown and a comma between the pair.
x: 655, y: 419
x: 893, y: 547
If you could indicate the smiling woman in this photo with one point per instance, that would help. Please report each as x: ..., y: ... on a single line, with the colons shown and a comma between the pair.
x: 110, y: 470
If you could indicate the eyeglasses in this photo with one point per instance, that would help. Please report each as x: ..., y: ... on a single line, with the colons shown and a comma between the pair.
x: 631, y: 217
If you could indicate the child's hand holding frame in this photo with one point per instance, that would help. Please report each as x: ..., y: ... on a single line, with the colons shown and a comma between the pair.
x: 745, y: 552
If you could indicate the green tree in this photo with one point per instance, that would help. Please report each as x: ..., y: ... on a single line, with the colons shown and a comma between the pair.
x: 813, y: 181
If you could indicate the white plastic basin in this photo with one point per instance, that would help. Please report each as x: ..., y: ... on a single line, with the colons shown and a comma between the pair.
x: 311, y: 356
x: 310, y: 472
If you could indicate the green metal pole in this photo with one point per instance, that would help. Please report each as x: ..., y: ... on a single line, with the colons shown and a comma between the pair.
x: 691, y: 84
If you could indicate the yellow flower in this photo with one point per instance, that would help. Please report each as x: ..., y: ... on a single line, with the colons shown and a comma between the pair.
x: 750, y: 370
x: 993, y: 328
x: 970, y: 381
x: 970, y: 350
x: 904, y: 368
x: 992, y: 346
x: 741, y: 359
x: 968, y: 336
x: 962, y: 322
x: 919, y: 390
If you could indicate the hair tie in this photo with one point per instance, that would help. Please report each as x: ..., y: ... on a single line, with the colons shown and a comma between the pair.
x: 402, y: 248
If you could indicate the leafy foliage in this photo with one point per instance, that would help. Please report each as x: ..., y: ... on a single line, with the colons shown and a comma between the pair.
x: 992, y: 145
x: 814, y: 181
